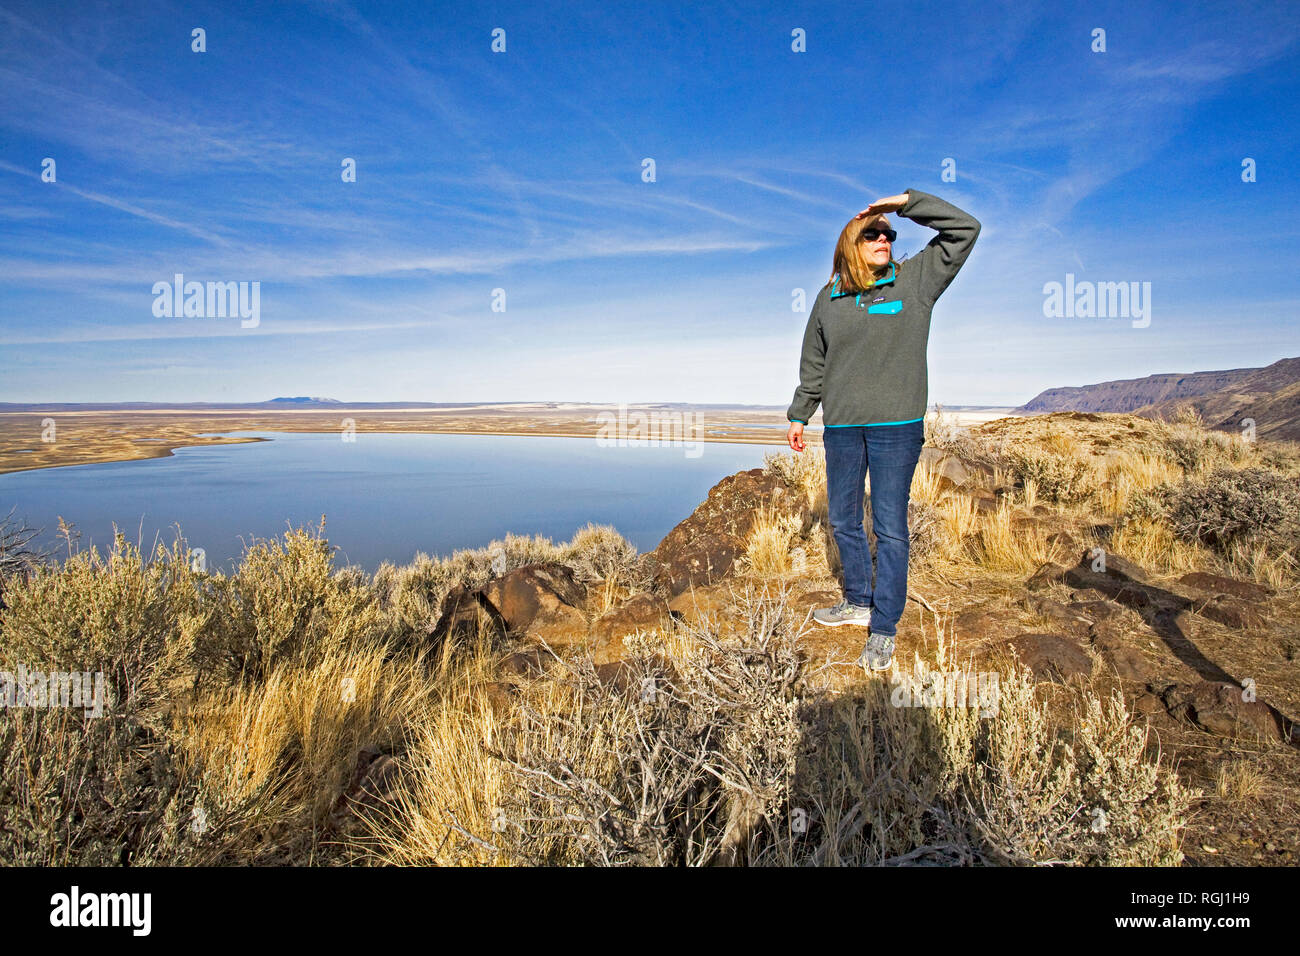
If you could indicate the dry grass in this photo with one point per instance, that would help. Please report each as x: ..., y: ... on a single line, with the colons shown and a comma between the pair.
x: 1001, y: 545
x: 612, y: 591
x: 917, y: 777
x: 1058, y: 441
x: 451, y: 785
x: 926, y: 482
x: 767, y: 549
x: 1130, y: 472
x: 246, y: 701
x: 959, y: 521
x: 298, y: 732
x: 1153, y: 544
x: 709, y: 767
x: 1278, y: 570
x: 805, y: 472
x: 240, y: 704
x: 700, y: 757
x: 1029, y: 493
x: 1240, y: 780
x: 1083, y: 469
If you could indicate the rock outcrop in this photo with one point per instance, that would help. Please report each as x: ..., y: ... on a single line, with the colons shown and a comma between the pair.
x: 1120, y: 580
x: 541, y: 601
x: 1053, y: 657
x: 704, y: 547
x: 1223, y: 709
x: 640, y: 612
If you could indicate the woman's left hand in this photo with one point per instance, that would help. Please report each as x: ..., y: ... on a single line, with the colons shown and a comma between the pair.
x: 882, y: 206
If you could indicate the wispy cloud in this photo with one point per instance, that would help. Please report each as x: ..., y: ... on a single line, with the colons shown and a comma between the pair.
x: 522, y: 171
x: 121, y: 206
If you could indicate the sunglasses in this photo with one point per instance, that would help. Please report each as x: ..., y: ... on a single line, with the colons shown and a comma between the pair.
x: 871, y: 235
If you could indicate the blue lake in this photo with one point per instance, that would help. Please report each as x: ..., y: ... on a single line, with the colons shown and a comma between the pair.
x: 384, y: 496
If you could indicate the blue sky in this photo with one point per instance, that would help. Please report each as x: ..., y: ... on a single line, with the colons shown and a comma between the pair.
x: 522, y: 170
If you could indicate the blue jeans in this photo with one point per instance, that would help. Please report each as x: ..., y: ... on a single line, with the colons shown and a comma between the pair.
x: 888, y: 453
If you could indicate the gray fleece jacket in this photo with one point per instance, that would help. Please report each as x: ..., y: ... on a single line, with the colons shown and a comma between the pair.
x: 864, y: 354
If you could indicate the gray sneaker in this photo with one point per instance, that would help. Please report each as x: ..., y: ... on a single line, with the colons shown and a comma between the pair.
x: 878, y: 653
x: 843, y: 613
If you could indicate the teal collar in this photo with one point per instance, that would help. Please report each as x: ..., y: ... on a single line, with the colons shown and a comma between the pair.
x: 887, y: 279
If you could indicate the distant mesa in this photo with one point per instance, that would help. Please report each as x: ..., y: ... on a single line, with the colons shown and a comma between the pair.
x: 1270, y: 395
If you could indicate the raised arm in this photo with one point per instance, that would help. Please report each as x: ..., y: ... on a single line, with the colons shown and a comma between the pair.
x: 812, y: 362
x: 942, y: 258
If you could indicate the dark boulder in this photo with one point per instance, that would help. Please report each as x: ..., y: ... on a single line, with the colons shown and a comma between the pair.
x: 702, y: 548
x: 1222, y: 584
x: 640, y: 612
x: 1048, y: 573
x: 462, y: 613
x: 1052, y: 657
x: 1221, y: 708
x: 542, y: 601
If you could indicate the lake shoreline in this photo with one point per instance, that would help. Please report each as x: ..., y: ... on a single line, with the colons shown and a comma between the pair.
x: 147, y: 454
x: 104, y: 436
x: 386, y: 497
x: 167, y: 451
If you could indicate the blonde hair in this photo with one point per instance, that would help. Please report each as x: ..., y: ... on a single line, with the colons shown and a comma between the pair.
x: 848, y: 262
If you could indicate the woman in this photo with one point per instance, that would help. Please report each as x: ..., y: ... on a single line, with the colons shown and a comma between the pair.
x: 864, y: 362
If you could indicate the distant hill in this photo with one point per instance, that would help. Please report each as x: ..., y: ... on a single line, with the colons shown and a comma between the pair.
x: 1270, y: 395
x: 1130, y: 394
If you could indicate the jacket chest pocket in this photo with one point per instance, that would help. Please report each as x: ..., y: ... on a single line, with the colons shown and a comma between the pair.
x: 886, y: 308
